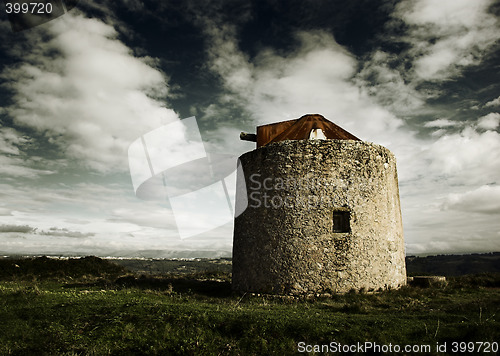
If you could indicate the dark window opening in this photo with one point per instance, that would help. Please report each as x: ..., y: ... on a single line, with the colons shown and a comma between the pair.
x: 341, y: 221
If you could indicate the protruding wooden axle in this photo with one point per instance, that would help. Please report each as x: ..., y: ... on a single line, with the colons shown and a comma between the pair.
x: 248, y: 137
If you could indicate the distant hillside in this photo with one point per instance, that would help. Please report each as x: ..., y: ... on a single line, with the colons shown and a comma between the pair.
x: 446, y: 265
x: 453, y: 265
x: 54, y: 268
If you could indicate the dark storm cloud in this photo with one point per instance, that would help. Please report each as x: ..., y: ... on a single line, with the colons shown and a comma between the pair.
x: 17, y: 228
x: 53, y: 231
x: 63, y: 232
x: 354, y: 24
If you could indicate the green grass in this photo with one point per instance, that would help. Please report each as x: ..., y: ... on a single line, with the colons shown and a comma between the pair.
x: 199, y: 315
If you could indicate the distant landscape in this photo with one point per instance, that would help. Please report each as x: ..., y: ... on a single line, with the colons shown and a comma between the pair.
x: 445, y: 265
x: 453, y: 265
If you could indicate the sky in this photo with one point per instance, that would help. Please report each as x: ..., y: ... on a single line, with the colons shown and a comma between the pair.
x: 419, y: 77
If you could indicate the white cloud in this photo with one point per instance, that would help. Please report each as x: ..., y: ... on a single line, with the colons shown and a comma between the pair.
x: 84, y: 90
x: 442, y: 38
x: 95, y: 219
x: 485, y: 199
x: 387, y: 84
x: 150, y: 215
x: 432, y: 225
x: 490, y: 121
x: 467, y: 157
x: 102, y: 237
x: 439, y: 191
x: 10, y: 140
x: 12, y: 162
x: 16, y: 167
x: 447, y: 13
x: 316, y: 78
x: 493, y: 103
x: 447, y: 35
x: 440, y: 123
x: 5, y: 212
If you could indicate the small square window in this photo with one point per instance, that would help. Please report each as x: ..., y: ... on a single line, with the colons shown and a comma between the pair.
x: 341, y: 221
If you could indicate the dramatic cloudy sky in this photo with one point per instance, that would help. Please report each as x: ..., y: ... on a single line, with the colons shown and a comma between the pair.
x: 420, y: 77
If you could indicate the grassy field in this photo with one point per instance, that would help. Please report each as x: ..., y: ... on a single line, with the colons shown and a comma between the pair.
x: 93, y: 307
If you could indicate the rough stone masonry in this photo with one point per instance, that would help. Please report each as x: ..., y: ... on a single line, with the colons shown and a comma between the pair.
x: 323, y: 216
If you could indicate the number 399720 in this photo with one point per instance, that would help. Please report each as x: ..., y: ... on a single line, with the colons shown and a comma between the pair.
x: 28, y: 7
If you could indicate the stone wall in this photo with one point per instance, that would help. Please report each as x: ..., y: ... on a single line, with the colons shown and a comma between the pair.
x: 284, y: 241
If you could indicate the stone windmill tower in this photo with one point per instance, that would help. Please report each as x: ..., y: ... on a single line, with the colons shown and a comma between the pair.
x: 323, y: 212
